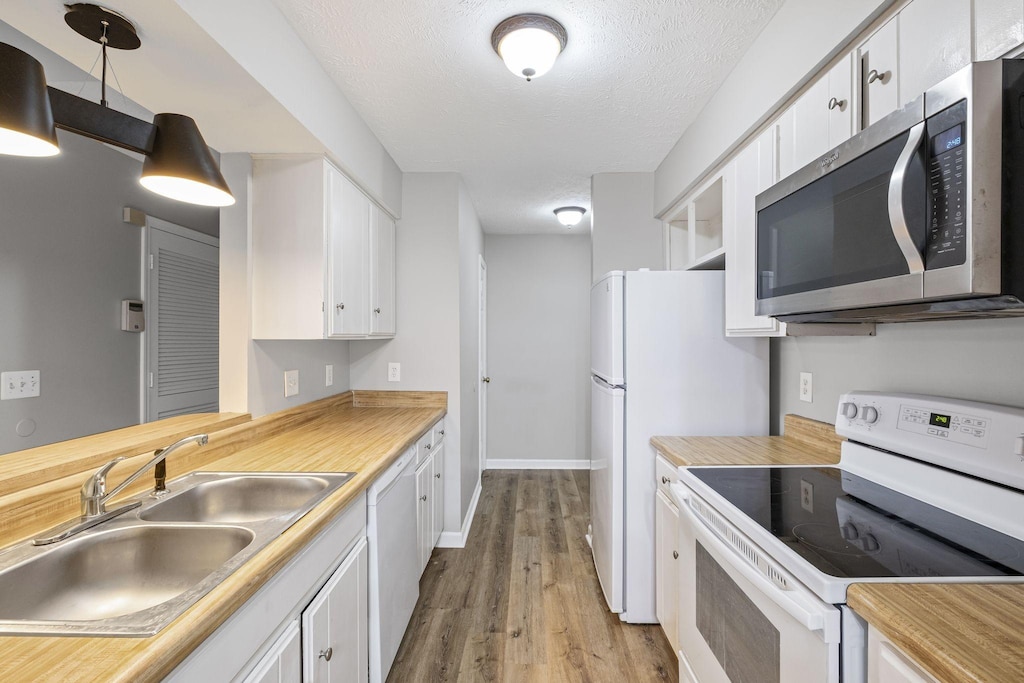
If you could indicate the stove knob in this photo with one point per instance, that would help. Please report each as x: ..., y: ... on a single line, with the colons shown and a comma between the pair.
x: 869, y: 414
x: 849, y: 531
x: 848, y: 410
x: 868, y: 543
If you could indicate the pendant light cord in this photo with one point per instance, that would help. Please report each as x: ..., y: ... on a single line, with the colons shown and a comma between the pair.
x: 103, y: 79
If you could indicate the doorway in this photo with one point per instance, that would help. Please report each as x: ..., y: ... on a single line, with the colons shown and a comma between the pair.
x: 483, y: 380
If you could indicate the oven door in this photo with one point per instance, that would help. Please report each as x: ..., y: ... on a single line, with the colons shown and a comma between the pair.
x: 742, y: 618
x: 850, y: 230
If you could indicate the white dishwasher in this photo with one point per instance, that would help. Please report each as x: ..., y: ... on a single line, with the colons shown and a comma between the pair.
x: 394, y: 564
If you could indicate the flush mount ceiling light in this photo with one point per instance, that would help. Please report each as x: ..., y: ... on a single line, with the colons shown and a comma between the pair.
x: 529, y: 44
x: 178, y: 164
x: 570, y: 215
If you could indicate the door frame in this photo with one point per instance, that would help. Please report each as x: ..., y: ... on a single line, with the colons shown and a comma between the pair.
x: 482, y: 361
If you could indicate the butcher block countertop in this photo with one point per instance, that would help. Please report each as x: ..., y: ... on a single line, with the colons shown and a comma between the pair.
x: 805, y: 442
x: 362, y: 432
x: 955, y: 632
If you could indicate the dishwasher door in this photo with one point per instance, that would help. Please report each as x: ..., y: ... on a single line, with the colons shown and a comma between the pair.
x: 394, y: 567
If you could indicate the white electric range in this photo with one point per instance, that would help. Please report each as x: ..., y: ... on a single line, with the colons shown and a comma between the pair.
x: 928, y: 489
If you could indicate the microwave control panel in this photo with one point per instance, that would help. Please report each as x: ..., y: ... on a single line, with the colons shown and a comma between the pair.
x: 947, y: 188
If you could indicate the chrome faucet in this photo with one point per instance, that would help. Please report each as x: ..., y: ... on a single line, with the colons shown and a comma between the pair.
x: 94, y: 494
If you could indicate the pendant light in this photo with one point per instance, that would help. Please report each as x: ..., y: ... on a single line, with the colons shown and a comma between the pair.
x: 26, y: 119
x: 178, y: 164
x: 529, y: 44
x: 570, y: 215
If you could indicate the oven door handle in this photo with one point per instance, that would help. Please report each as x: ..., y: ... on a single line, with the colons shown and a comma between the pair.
x: 812, y: 613
x: 897, y: 212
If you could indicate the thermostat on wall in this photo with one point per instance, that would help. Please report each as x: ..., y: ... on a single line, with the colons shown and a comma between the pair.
x: 133, y: 316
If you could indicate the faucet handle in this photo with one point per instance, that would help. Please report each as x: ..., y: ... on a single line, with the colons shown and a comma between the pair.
x: 95, y: 487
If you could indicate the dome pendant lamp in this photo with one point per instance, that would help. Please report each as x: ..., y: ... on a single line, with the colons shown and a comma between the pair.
x: 529, y: 44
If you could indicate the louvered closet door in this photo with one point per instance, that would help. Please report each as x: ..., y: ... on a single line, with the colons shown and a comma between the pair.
x: 182, y: 324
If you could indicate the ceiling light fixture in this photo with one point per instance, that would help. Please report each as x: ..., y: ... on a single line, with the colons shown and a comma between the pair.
x: 178, y: 164
x: 570, y: 215
x: 529, y: 44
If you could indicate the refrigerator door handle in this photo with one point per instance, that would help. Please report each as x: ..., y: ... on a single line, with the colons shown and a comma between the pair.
x: 601, y: 382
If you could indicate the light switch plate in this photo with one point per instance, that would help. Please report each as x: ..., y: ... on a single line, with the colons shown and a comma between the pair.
x: 19, y: 384
x: 394, y: 372
x: 329, y: 379
x: 291, y: 383
x: 806, y: 387
x: 807, y: 495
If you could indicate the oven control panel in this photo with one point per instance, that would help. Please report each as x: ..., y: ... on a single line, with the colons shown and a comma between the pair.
x: 981, y: 439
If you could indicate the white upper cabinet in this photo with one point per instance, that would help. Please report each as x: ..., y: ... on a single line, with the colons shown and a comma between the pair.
x: 998, y: 27
x: 839, y: 103
x: 322, y: 253
x: 934, y: 42
x: 754, y: 172
x: 879, y: 73
x: 819, y: 120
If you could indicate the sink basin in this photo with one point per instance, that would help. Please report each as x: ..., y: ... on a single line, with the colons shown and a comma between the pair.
x: 116, y: 572
x: 135, y: 573
x: 239, y: 499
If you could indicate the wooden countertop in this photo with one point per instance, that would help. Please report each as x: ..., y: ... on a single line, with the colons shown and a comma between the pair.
x: 805, y: 442
x: 340, y: 434
x: 955, y: 632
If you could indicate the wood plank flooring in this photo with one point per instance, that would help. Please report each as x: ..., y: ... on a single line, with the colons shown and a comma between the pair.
x: 521, y: 602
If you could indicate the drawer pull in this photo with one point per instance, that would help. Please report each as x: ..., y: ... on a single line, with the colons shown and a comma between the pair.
x: 874, y: 75
x: 675, y: 554
x: 834, y: 103
x: 437, y: 476
x: 424, y: 498
x: 340, y: 307
x: 326, y: 654
x: 377, y: 311
x: 441, y: 432
x: 664, y: 480
x: 427, y: 446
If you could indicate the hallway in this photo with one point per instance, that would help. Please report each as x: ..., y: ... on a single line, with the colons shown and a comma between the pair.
x: 521, y: 602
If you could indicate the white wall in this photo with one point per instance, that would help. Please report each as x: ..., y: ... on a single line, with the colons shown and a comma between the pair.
x: 803, y: 35
x: 427, y: 343
x: 624, y: 232
x: 471, y: 247
x: 538, y: 345
x: 251, y: 372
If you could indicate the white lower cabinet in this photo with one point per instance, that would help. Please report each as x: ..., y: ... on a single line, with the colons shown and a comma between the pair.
x: 437, y: 508
x: 283, y: 664
x: 666, y: 550
x: 888, y: 664
x: 334, y: 625
x: 424, y: 509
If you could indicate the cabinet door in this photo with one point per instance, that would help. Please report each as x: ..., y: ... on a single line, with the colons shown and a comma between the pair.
x: 810, y: 124
x: 785, y: 152
x: 666, y: 540
x: 283, y: 663
x: 935, y: 42
x: 348, y: 257
x: 425, y: 509
x: 998, y: 27
x: 382, y: 261
x: 336, y: 623
x: 840, y: 102
x: 879, y: 73
x: 754, y: 173
x: 437, y: 506
x: 888, y: 664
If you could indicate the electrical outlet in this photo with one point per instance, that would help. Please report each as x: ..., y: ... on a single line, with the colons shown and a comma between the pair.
x: 394, y: 372
x: 19, y: 384
x: 329, y: 379
x: 806, y: 387
x: 807, y: 496
x: 291, y: 383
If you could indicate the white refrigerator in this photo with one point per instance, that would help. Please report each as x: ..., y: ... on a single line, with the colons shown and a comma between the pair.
x: 660, y: 365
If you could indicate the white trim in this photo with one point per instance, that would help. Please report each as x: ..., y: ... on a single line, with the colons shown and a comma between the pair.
x: 538, y: 464
x: 457, y: 539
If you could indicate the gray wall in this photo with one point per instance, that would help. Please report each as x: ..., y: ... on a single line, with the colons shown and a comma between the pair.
x: 624, y: 233
x: 972, y: 359
x: 66, y: 262
x: 538, y: 345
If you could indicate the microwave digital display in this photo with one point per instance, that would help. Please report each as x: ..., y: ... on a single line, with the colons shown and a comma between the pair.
x: 948, y: 139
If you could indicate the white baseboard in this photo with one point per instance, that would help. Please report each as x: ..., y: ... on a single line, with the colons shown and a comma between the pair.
x: 457, y: 539
x: 538, y: 464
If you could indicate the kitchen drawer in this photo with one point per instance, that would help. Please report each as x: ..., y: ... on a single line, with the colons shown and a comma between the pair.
x: 667, y: 474
x: 438, y: 431
x: 424, y: 446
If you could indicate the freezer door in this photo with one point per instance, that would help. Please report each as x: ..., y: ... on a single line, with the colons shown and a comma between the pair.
x: 606, y: 329
x: 606, y: 487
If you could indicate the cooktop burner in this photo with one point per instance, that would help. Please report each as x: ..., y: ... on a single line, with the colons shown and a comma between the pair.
x: 851, y: 527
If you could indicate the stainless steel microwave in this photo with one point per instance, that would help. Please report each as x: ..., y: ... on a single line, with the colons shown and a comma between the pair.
x: 918, y: 217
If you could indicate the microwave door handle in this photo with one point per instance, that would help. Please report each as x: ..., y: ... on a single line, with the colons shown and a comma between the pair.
x: 798, y: 603
x: 897, y: 215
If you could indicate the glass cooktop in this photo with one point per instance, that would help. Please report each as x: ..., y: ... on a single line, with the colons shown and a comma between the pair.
x: 849, y: 527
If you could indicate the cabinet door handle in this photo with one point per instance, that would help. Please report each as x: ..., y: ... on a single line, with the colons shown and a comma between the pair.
x: 836, y: 104
x: 427, y: 446
x: 326, y: 654
x: 487, y: 380
x: 675, y: 554
x: 424, y: 498
x: 340, y: 307
x: 873, y: 76
x: 442, y: 432
x: 377, y: 311
x: 437, y: 476
x: 664, y: 480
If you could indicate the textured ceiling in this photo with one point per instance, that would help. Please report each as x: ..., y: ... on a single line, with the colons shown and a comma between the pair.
x: 423, y: 75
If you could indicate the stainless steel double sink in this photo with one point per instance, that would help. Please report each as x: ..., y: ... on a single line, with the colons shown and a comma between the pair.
x: 134, y: 574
